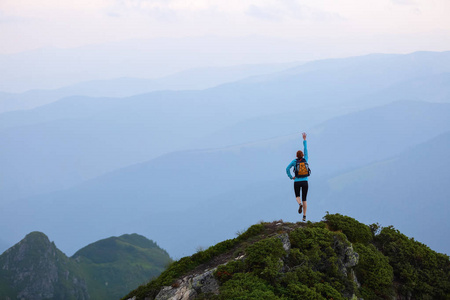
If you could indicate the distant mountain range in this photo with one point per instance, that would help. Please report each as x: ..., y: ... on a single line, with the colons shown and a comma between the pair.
x: 185, y: 160
x: 35, y: 268
x: 193, y: 188
x: 79, y: 138
x: 411, y: 185
x: 193, y: 79
x: 51, y: 67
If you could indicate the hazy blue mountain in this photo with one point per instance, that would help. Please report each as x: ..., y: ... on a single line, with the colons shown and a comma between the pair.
x: 35, y: 268
x: 408, y: 190
x: 188, y: 189
x: 75, y: 139
x: 51, y: 68
x: 80, y: 138
x: 377, y: 133
x: 434, y: 88
x: 338, y: 80
x: 270, y: 126
x: 314, y: 84
x: 193, y: 79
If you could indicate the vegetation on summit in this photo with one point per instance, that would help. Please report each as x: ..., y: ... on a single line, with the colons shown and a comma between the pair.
x: 338, y: 258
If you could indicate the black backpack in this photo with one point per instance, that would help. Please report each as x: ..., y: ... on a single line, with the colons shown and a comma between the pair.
x: 301, y: 168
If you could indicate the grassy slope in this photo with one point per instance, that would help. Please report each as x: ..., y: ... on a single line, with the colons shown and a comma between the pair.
x: 115, y: 265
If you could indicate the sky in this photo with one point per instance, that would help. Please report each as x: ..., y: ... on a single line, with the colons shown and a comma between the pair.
x: 347, y: 27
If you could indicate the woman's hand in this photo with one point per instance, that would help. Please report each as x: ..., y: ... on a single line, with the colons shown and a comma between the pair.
x: 304, y: 136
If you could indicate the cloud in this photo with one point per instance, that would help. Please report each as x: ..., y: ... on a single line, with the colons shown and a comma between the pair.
x: 165, y: 11
x: 290, y: 10
x: 34, y: 8
x: 265, y: 13
x: 404, y: 2
x: 67, y: 23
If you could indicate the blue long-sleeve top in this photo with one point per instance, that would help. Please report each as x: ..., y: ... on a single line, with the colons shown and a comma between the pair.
x: 292, y: 164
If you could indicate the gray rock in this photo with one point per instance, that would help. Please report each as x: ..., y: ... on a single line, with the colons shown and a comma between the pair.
x: 190, y: 286
x: 206, y: 283
x: 347, y: 257
x: 355, y: 279
x: 284, y: 237
x: 183, y: 292
x: 351, y: 258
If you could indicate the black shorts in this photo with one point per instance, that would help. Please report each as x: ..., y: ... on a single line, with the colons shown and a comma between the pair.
x: 303, y: 185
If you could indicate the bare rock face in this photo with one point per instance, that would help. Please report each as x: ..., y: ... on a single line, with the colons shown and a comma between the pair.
x: 285, y: 240
x: 189, y: 287
x: 347, y: 257
x: 35, y: 269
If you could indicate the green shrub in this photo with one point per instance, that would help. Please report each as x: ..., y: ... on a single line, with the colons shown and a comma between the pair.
x: 327, y: 291
x: 303, y: 274
x: 246, y: 286
x: 297, y: 258
x: 420, y: 272
x: 252, y: 231
x: 317, y: 255
x: 374, y: 273
x: 355, y: 231
x: 226, y: 272
x: 300, y: 291
x: 316, y: 244
x: 263, y: 258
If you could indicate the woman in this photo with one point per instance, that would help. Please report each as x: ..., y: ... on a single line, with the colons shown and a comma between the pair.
x: 300, y: 183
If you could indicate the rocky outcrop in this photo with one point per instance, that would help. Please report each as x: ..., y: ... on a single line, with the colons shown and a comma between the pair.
x: 284, y: 238
x: 347, y: 257
x: 190, y: 286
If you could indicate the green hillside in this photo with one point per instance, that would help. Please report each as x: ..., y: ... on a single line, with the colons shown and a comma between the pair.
x: 338, y: 258
x: 115, y: 265
x: 108, y: 269
x: 35, y: 269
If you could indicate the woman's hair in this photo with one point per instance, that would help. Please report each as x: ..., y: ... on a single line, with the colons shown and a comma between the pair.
x: 299, y: 154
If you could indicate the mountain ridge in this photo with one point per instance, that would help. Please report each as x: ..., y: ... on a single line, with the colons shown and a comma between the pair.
x: 35, y: 268
x: 115, y: 132
x: 193, y: 79
x: 415, y: 175
x: 149, y: 185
